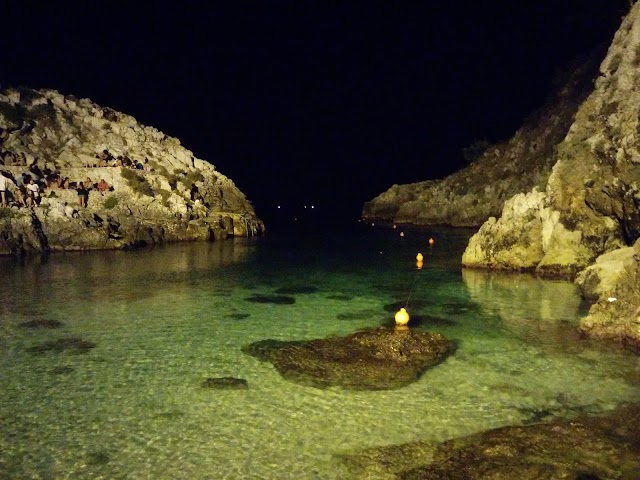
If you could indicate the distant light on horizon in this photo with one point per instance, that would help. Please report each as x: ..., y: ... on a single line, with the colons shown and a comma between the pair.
x: 306, y: 207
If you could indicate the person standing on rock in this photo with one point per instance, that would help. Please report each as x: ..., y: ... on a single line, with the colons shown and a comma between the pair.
x: 83, y: 195
x: 33, y: 191
x: 3, y: 191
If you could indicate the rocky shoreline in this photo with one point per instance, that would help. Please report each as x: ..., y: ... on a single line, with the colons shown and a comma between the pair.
x: 563, y: 201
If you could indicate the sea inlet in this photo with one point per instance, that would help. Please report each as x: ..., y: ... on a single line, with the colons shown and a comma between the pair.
x: 133, y: 364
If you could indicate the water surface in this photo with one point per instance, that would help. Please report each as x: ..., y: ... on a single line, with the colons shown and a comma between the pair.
x: 156, y: 323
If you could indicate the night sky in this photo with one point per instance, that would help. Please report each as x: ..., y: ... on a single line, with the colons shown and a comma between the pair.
x: 308, y: 102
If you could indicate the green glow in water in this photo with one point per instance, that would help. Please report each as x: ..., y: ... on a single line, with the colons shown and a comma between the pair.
x: 164, y: 320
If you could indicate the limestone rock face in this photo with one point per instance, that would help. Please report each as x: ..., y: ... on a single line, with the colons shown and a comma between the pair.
x: 159, y: 191
x: 591, y: 203
x: 614, y: 283
x: 498, y: 246
x: 472, y: 195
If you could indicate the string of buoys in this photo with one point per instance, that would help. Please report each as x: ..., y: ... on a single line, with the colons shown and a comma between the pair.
x: 402, y: 316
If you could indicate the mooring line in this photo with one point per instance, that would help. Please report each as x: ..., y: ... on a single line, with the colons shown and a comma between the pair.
x: 415, y: 280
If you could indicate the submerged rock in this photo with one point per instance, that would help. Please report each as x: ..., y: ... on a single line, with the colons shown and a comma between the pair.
x: 276, y: 299
x: 61, y: 370
x: 72, y: 344
x: 42, y: 324
x: 341, y: 297
x: 376, y: 359
x: 585, y: 448
x: 296, y: 290
x: 98, y: 458
x: 225, y: 383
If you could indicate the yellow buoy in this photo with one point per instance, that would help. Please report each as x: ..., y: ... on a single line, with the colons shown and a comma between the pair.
x: 402, y: 317
x: 431, y: 242
x: 419, y: 264
x: 419, y: 257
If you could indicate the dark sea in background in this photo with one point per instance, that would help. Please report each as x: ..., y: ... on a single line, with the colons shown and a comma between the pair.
x: 103, y: 355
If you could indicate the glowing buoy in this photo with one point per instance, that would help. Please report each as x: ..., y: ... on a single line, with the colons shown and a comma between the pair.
x: 402, y: 317
x: 419, y: 264
x: 419, y: 257
x: 431, y: 242
x: 402, y: 234
x: 394, y: 227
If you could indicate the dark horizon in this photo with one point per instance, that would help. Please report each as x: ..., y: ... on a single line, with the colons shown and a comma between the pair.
x: 311, y: 103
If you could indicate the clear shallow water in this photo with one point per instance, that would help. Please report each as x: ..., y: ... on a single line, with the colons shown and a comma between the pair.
x: 165, y: 319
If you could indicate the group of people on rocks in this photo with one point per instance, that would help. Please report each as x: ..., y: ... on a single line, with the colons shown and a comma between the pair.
x: 12, y: 159
x: 30, y: 186
x: 84, y: 187
x: 27, y: 194
x: 106, y: 159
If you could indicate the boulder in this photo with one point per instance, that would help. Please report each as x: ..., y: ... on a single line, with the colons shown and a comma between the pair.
x: 614, y: 283
x: 498, y: 245
x: 376, y: 359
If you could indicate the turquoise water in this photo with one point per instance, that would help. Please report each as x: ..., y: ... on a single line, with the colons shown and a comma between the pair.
x: 160, y: 321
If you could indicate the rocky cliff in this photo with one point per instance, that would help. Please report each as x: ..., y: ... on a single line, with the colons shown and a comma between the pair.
x: 587, y: 217
x: 571, y: 180
x: 143, y: 186
x: 472, y: 195
x: 591, y: 203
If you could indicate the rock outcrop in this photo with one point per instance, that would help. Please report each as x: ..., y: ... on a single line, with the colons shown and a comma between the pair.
x: 582, y: 448
x: 154, y: 189
x: 591, y: 203
x: 613, y: 282
x: 375, y: 359
x: 589, y: 213
x: 472, y: 195
x: 562, y: 192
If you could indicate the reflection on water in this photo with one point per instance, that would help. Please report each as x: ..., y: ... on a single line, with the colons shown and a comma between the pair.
x: 104, y: 354
x: 543, y: 311
x: 514, y: 297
